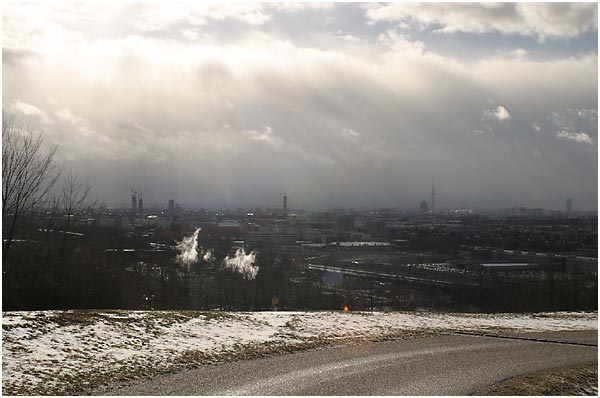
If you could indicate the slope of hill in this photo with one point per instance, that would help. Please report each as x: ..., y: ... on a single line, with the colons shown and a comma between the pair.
x: 62, y: 352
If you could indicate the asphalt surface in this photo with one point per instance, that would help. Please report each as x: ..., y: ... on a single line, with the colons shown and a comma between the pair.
x: 444, y: 365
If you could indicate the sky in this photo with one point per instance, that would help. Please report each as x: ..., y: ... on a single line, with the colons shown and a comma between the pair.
x: 332, y: 104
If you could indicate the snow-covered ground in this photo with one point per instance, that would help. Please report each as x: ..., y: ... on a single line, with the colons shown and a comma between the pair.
x: 54, y: 352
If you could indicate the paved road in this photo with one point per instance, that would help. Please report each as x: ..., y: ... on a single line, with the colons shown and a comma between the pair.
x: 445, y: 365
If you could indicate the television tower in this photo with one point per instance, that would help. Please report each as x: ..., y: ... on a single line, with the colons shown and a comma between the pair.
x: 432, y: 196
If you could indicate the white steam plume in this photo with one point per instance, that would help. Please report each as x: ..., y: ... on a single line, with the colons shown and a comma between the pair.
x: 242, y: 263
x: 208, y: 255
x: 187, y: 250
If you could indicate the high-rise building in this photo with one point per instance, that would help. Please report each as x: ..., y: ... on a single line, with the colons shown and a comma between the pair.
x: 569, y: 205
x: 133, y: 203
x: 171, y: 207
x: 285, y: 205
x: 423, y: 208
x: 141, y: 205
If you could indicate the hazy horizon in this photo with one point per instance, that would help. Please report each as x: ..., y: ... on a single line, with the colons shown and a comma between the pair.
x: 335, y: 105
x: 272, y: 205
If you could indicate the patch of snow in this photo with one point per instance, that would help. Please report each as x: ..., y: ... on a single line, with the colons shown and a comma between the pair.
x: 43, y: 351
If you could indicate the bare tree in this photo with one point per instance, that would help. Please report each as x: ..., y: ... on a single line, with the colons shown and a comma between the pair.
x: 73, y: 196
x: 28, y: 174
x: 69, y: 205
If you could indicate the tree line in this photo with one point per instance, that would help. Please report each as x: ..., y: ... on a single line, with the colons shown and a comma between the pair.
x: 41, y: 204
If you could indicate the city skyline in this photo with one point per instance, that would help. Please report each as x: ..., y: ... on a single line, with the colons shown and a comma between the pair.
x: 335, y: 105
x: 272, y: 204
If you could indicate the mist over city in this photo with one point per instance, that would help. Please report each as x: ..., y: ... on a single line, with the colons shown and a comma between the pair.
x: 219, y: 198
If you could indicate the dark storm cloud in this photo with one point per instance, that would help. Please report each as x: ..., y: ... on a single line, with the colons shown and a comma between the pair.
x: 225, y: 106
x: 15, y: 57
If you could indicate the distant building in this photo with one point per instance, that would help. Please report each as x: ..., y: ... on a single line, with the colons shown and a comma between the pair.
x: 569, y: 205
x: 107, y: 221
x: 375, y: 228
x: 133, y: 204
x: 126, y: 222
x: 285, y: 205
x: 271, y: 240
x: 311, y: 234
x: 228, y: 228
x: 423, y: 208
x: 141, y: 205
x: 156, y: 221
x: 345, y: 223
x: 171, y: 207
x: 228, y: 224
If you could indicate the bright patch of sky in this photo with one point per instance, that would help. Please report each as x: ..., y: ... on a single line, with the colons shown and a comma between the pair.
x: 332, y: 104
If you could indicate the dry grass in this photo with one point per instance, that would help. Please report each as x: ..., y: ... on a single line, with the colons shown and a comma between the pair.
x: 578, y: 380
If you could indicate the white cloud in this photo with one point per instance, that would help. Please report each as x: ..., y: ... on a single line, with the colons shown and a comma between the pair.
x: 577, y: 137
x: 265, y: 134
x: 250, y: 13
x: 301, y: 6
x: 571, y: 124
x: 65, y: 114
x: 590, y: 115
x: 26, y: 109
x: 518, y: 53
x: 502, y: 114
x: 543, y: 20
x: 351, y: 133
x: 401, y: 43
x: 154, y: 16
x: 190, y: 34
x: 349, y: 38
x: 159, y: 99
x: 499, y: 113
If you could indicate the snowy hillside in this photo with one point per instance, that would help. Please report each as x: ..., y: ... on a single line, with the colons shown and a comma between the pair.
x: 61, y: 352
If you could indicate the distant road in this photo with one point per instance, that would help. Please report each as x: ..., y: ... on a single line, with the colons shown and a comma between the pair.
x: 444, y: 365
